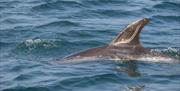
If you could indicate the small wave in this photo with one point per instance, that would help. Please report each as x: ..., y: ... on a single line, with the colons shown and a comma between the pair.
x: 10, y: 21
x: 102, y: 2
x: 160, y: 20
x: 60, y: 24
x: 145, y: 11
x: 80, y: 33
x: 167, y: 5
x: 89, y: 79
x: 27, y: 89
x: 114, y: 13
x: 8, y: 4
x: 46, y: 6
x: 86, y: 14
x: 167, y: 18
x: 101, y: 13
x: 170, y: 76
x: 57, y: 5
x: 23, y: 77
x: 3, y: 44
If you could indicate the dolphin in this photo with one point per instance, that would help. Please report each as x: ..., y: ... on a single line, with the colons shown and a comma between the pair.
x: 125, y: 46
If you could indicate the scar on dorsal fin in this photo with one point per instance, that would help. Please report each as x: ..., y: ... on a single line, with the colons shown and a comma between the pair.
x: 130, y: 34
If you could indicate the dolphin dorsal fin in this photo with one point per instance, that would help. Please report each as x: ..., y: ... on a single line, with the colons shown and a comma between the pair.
x: 130, y: 34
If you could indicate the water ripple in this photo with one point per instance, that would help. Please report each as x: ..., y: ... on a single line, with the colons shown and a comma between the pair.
x: 33, y: 33
x: 60, y: 24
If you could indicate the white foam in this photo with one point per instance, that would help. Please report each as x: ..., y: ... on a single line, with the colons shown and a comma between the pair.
x: 34, y: 42
x: 157, y: 59
x: 31, y: 41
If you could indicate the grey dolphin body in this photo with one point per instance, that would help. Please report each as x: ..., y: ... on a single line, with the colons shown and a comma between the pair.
x: 125, y: 46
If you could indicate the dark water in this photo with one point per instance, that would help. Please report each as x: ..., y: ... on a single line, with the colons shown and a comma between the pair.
x: 34, y: 33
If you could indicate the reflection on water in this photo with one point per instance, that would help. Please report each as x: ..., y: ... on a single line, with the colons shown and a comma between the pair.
x: 130, y: 68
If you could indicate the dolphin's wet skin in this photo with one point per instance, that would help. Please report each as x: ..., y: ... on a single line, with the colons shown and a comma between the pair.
x: 125, y: 46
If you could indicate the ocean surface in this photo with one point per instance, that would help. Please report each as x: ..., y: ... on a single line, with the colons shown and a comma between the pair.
x: 35, y: 34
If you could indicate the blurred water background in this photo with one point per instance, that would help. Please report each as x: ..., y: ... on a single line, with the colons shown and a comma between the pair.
x: 33, y: 33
